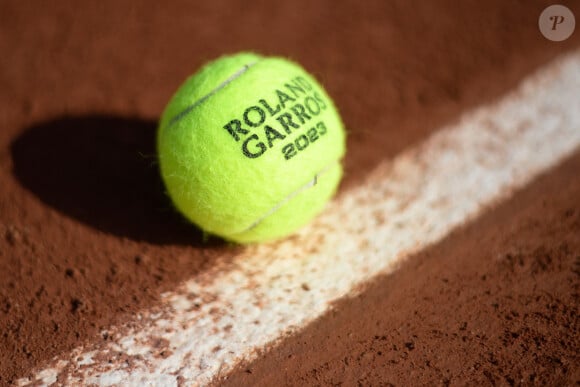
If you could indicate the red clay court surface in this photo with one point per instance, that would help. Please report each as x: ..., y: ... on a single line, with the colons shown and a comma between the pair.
x: 92, y: 253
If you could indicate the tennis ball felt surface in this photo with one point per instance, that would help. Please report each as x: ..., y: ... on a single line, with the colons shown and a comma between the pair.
x: 250, y: 148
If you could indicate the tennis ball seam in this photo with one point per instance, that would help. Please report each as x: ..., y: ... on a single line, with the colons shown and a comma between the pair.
x: 219, y: 87
x: 310, y: 184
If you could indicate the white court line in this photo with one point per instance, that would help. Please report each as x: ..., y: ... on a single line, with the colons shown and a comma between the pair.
x: 223, y: 316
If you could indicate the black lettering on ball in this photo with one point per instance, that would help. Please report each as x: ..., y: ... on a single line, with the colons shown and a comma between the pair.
x: 254, y: 123
x: 286, y: 120
x: 301, y: 142
x: 234, y: 127
x: 300, y: 112
x: 283, y: 98
x: 272, y: 111
x: 257, y: 150
x: 312, y: 106
x: 289, y: 151
x: 303, y: 82
x: 272, y: 134
x: 320, y: 101
x: 295, y: 88
x: 312, y: 134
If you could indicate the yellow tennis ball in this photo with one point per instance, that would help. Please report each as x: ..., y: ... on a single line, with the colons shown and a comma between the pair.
x: 250, y: 148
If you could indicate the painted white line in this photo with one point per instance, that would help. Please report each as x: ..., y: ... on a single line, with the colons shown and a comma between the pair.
x: 227, y: 314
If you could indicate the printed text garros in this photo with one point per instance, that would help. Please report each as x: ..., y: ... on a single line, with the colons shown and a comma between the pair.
x: 292, y: 107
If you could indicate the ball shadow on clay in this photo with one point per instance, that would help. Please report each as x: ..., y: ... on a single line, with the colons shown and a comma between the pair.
x: 102, y: 171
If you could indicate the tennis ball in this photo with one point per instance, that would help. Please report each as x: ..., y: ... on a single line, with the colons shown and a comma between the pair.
x: 250, y: 148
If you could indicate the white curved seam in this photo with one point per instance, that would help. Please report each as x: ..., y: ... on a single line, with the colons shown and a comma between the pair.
x: 291, y: 196
x: 189, y: 108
